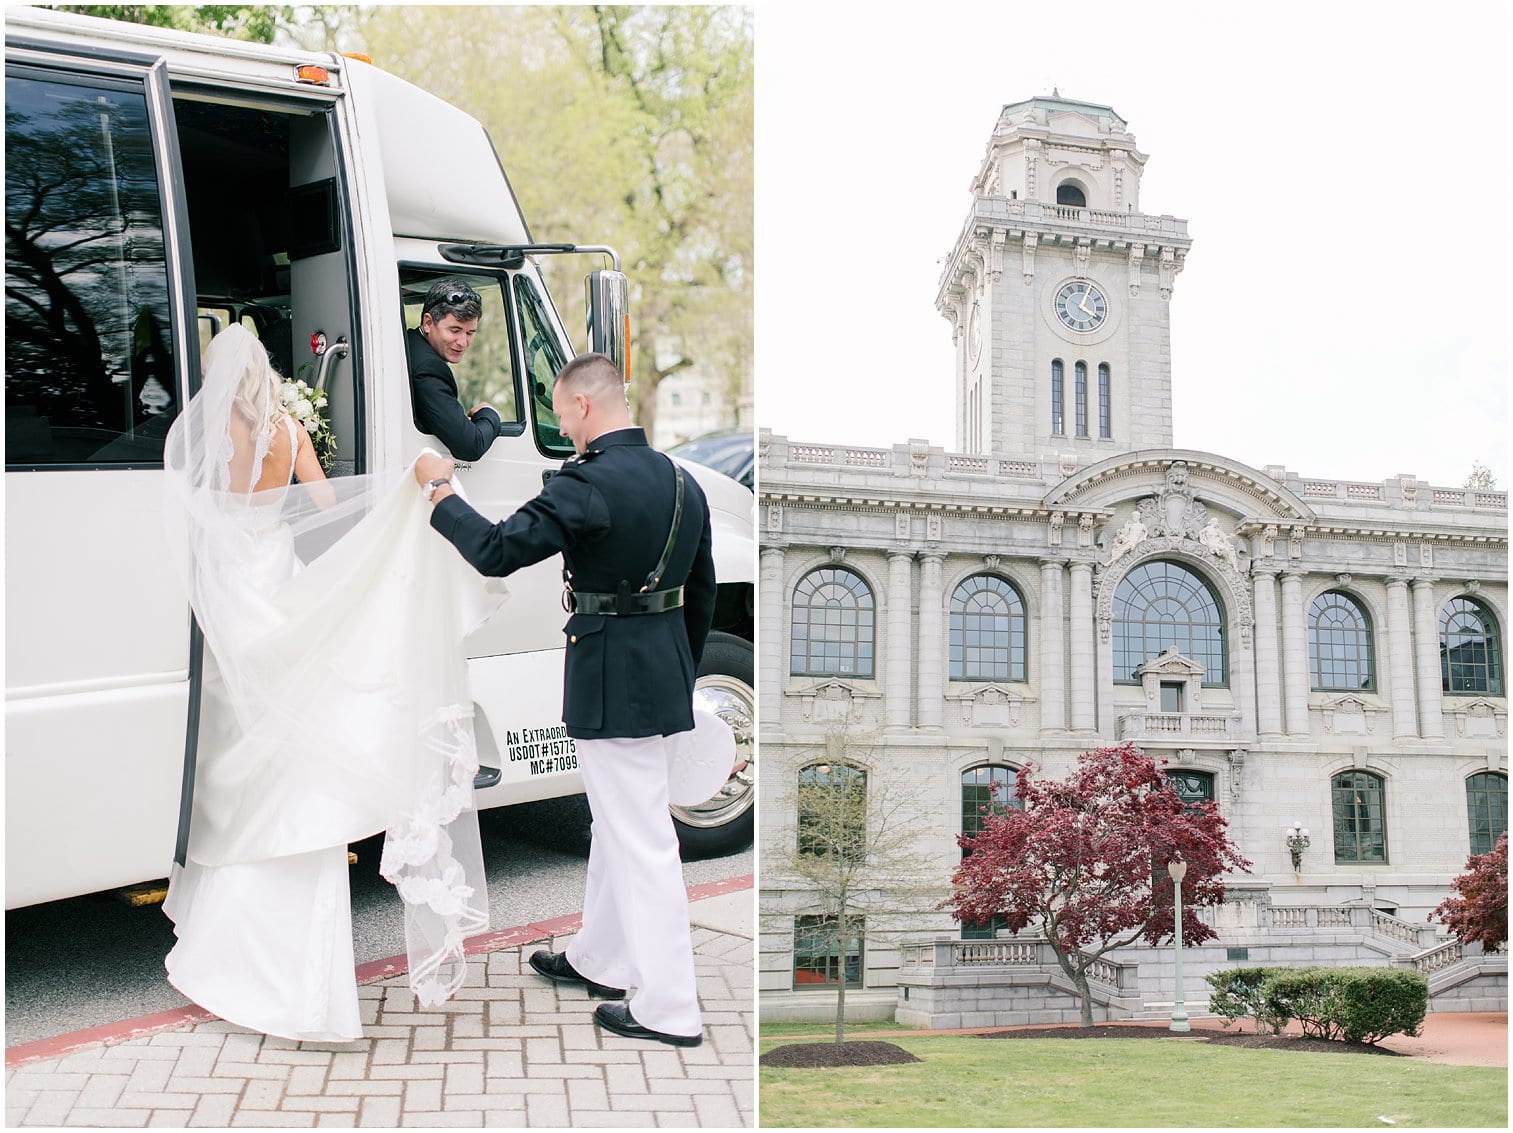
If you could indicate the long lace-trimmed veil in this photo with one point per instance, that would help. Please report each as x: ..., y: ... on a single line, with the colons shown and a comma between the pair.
x: 336, y: 701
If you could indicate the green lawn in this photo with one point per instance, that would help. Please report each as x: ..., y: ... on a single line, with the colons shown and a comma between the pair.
x: 983, y: 1083
x: 781, y: 1031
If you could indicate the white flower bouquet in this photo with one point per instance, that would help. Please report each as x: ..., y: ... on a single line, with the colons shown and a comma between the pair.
x: 308, y: 407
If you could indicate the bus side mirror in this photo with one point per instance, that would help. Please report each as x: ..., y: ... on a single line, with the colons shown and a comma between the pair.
x: 609, y: 317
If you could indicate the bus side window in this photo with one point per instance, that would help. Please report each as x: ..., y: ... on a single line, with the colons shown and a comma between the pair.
x: 485, y: 372
x: 89, y: 353
x: 544, y: 357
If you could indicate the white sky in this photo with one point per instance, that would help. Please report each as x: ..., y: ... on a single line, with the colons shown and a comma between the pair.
x: 1344, y: 171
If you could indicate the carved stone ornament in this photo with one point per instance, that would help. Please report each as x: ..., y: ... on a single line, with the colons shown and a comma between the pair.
x: 992, y: 706
x: 901, y: 526
x: 774, y: 518
x: 1399, y: 553
x: 1057, y: 519
x: 1349, y: 715
x: 991, y: 561
x: 1186, y: 757
x: 995, y: 255
x: 1408, y: 485
x: 1130, y: 536
x: 1067, y: 463
x: 1136, y: 259
x: 1084, y: 531
x: 1480, y: 717
x: 1344, y: 579
x: 919, y: 459
x: 932, y: 528
x: 1268, y: 541
x: 1027, y: 252
x: 1295, y: 543
x: 1473, y: 585
x: 1082, y: 255
x: 1426, y: 555
x: 1174, y: 521
x: 1236, y: 769
x: 837, y: 554
x: 828, y: 703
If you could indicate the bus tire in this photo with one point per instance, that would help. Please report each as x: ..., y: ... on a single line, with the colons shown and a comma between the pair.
x: 725, y: 824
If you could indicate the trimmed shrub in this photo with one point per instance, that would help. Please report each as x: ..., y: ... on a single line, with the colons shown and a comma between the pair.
x: 1240, y: 992
x: 1351, y: 1004
x: 1378, y: 1002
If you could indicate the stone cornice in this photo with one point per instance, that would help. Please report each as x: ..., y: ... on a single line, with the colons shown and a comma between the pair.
x: 1201, y: 466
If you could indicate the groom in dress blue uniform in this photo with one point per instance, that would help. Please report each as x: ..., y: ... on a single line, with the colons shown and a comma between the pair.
x: 634, y: 639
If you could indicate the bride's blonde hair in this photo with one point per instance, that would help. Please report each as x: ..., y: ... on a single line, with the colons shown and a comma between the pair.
x: 257, y: 398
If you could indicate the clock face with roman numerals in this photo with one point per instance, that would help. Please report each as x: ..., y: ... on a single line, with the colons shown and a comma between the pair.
x: 1081, y: 306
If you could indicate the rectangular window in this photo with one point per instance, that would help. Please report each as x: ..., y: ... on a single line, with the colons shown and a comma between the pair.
x: 1058, y: 398
x: 544, y: 356
x: 486, y: 372
x: 89, y: 368
x: 1081, y: 385
x: 1105, y: 413
x: 1171, y: 696
x: 1360, y: 829
x: 821, y: 958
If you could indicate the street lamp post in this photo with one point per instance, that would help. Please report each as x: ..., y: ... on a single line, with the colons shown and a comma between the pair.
x: 1178, y: 870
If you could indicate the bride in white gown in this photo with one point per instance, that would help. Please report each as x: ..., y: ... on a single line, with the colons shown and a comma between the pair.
x: 334, y: 705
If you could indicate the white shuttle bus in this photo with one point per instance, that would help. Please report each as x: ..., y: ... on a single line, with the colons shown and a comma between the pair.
x: 158, y: 187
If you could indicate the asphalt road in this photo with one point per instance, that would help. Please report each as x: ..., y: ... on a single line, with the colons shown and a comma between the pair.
x: 95, y: 960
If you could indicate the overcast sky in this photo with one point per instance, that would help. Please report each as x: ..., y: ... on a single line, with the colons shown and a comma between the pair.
x: 1344, y: 310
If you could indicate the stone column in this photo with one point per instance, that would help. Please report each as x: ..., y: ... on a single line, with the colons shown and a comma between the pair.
x: 1400, y: 658
x: 1294, y: 653
x: 932, y: 654
x: 1268, y: 673
x: 1084, y: 704
x: 900, y: 593
x: 1051, y: 680
x: 1431, y: 706
x: 772, y: 662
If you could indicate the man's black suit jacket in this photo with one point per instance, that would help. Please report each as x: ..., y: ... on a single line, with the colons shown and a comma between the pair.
x: 608, y: 512
x: 437, y: 410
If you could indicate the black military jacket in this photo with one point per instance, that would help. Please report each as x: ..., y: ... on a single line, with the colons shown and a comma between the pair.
x: 437, y: 410
x: 608, y: 512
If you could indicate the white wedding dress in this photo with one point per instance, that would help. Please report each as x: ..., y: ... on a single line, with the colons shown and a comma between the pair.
x: 334, y: 705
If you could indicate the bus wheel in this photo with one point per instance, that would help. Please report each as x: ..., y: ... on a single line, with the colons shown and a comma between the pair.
x: 724, y: 824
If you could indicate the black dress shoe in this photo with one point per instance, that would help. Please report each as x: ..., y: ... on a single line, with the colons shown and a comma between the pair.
x: 554, y: 966
x: 617, y: 1017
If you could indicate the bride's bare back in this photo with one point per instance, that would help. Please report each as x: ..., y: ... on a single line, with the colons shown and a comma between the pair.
x: 289, y: 450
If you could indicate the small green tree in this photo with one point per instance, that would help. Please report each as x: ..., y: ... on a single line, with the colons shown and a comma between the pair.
x: 853, y: 846
x: 1480, y: 478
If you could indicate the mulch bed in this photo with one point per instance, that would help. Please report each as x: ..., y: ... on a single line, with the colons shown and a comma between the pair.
x: 1246, y: 1039
x: 810, y: 1055
x: 860, y: 1053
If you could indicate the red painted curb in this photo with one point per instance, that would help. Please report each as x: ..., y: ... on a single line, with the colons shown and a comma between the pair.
x: 369, y: 972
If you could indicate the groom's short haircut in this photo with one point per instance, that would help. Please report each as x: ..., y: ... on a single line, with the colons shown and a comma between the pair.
x: 452, y: 297
x: 592, y: 374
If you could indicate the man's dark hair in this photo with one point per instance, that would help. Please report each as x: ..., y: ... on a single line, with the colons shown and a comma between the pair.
x: 452, y: 297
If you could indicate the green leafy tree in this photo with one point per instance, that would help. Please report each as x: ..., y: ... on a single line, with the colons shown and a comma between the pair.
x: 1480, y: 478
x: 259, y: 23
x: 853, y: 849
x: 626, y: 126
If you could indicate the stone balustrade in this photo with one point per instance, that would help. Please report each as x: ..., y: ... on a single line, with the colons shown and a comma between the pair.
x: 1178, y: 726
x: 1438, y: 958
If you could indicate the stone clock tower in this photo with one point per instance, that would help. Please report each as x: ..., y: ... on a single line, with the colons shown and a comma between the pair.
x: 1058, y: 291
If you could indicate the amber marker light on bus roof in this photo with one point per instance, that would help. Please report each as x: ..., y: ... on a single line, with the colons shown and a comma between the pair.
x: 310, y: 73
x: 358, y: 55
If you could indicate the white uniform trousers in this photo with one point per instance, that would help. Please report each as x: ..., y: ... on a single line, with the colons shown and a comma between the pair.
x: 635, y: 909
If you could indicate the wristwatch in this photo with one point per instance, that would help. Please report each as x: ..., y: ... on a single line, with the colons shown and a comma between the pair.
x: 430, y: 489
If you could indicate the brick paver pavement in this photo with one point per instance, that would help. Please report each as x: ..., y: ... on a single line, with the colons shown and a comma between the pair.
x: 509, y: 1049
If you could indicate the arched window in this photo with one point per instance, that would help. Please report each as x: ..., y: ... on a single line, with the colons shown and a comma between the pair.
x: 1469, y: 658
x: 1163, y: 604
x: 1105, y: 402
x: 1058, y: 397
x: 1195, y: 787
x: 1360, y: 819
x: 1081, y: 385
x: 985, y: 790
x: 1069, y: 194
x: 1339, y: 644
x: 832, y: 625
x: 1487, y: 809
x: 832, y: 811
x: 987, y: 631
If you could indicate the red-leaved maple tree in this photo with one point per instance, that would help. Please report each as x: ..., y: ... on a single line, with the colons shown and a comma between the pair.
x: 1079, y: 860
x: 1478, y: 914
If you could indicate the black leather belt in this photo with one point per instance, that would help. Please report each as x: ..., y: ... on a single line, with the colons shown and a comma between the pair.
x: 625, y: 604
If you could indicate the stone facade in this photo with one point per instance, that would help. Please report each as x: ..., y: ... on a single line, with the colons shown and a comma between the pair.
x: 1064, y: 519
